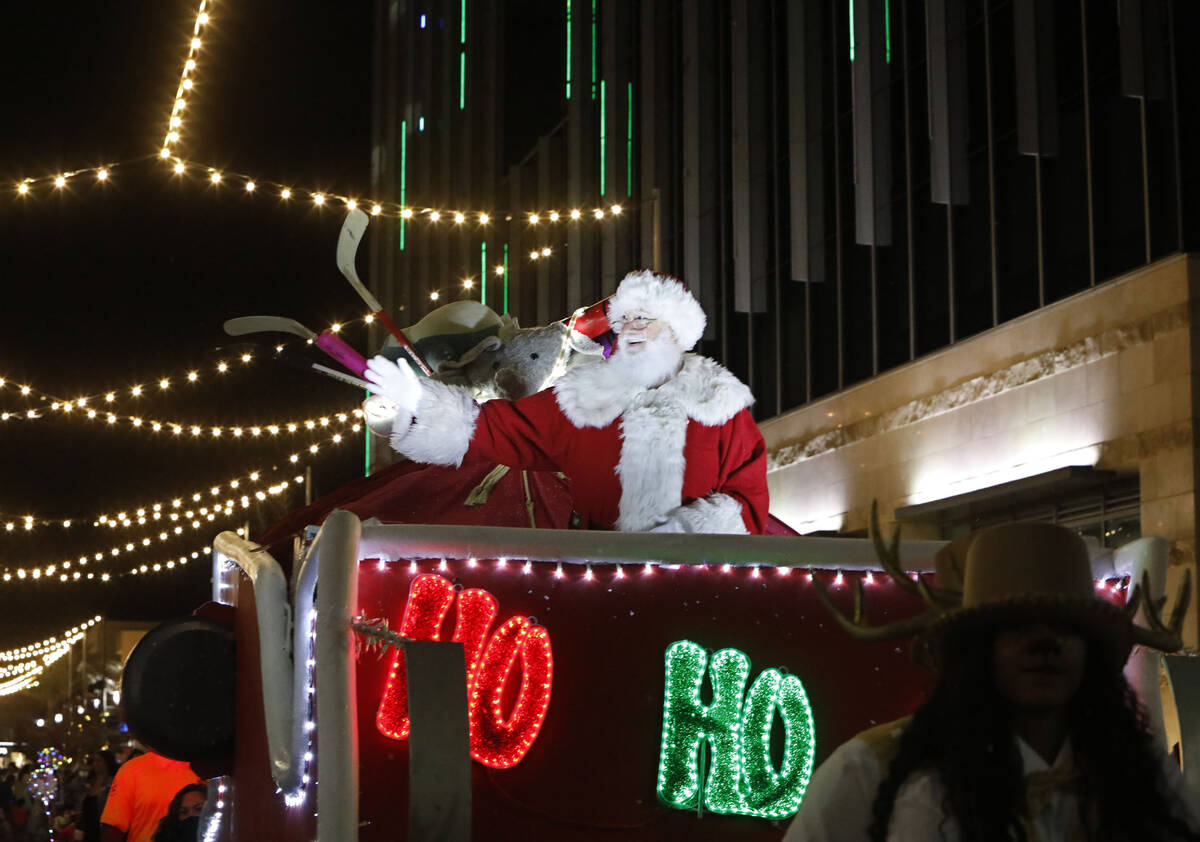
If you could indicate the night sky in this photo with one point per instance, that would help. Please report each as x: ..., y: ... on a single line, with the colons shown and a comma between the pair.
x: 110, y: 285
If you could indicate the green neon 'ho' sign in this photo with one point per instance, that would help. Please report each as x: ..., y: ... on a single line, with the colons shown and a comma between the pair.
x: 742, y: 777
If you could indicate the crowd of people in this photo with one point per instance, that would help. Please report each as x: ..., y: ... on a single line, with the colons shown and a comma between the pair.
x: 140, y: 797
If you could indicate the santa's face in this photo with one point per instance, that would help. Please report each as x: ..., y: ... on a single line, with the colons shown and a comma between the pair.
x: 640, y: 329
x: 647, y: 353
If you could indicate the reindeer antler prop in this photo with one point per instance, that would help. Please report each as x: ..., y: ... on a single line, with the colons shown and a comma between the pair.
x: 1165, y: 636
x: 937, y: 600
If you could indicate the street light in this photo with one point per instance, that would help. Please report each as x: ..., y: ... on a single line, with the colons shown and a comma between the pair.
x: 39, y: 722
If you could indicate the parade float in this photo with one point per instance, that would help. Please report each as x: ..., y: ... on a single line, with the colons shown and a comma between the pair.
x: 438, y: 655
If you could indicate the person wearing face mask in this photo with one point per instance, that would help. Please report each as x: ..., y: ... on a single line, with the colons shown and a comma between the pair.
x: 182, y: 821
x: 653, y: 439
x: 1032, y: 732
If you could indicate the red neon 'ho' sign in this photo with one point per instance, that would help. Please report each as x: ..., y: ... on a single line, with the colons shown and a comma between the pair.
x: 496, y: 740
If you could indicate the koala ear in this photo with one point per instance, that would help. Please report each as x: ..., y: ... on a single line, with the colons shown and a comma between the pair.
x: 583, y: 345
x: 488, y: 343
x: 508, y: 327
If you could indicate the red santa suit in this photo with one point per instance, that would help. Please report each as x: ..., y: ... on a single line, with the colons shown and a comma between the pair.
x: 685, y: 456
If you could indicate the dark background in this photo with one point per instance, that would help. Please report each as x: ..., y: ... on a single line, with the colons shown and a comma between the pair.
x: 108, y: 285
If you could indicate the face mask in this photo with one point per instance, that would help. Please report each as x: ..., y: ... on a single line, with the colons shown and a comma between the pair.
x: 188, y: 829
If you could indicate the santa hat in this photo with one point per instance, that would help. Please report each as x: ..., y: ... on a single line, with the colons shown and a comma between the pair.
x: 661, y: 297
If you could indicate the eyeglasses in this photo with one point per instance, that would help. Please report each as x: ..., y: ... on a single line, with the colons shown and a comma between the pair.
x: 637, y: 321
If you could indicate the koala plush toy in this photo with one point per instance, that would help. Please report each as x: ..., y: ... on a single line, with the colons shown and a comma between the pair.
x: 518, y: 362
x: 496, y: 357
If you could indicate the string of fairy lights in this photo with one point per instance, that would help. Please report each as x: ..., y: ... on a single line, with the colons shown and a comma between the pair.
x: 57, y: 575
x: 445, y: 217
x: 175, y: 508
x: 186, y: 82
x: 183, y: 429
x: 169, y: 508
x: 173, y: 519
x: 182, y: 520
x: 197, y: 517
x: 162, y: 385
x: 20, y: 668
x: 608, y: 572
x: 60, y: 182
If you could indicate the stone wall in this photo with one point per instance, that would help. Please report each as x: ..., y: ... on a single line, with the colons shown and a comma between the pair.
x: 1103, y: 378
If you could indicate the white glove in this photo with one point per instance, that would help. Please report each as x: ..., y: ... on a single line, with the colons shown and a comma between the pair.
x: 669, y: 525
x: 380, y: 413
x: 396, y: 382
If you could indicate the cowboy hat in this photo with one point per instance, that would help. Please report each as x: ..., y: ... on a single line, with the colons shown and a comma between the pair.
x: 1017, y: 572
x: 1021, y: 573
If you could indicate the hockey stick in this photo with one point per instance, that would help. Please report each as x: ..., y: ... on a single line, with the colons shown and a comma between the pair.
x: 327, y: 340
x: 347, y: 247
x: 295, y: 359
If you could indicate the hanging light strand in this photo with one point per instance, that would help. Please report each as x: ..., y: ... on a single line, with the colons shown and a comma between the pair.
x: 80, y: 408
x: 179, y: 508
x: 444, y: 217
x: 61, y: 182
x: 187, y: 78
x: 167, y: 385
x: 21, y: 668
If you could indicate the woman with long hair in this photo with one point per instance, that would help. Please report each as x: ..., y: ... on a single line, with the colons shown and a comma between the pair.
x: 1032, y: 732
x: 958, y: 763
x: 182, y: 821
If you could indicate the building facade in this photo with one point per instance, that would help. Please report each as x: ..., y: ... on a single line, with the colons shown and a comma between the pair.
x: 945, y: 243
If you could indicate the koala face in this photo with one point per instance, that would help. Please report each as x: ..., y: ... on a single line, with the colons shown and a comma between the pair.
x: 524, y: 362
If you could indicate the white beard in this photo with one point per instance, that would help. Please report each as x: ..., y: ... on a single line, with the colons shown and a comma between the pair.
x: 649, y: 364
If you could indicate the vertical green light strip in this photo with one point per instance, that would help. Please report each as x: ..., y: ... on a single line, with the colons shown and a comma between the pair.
x: 852, y: 30
x: 568, y: 49
x: 887, y: 29
x: 483, y: 272
x: 505, y: 278
x: 593, y: 49
x: 462, y: 58
x: 403, y: 163
x: 603, y: 122
x: 367, y: 448
x: 629, y: 143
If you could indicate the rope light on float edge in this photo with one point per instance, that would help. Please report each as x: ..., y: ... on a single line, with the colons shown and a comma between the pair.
x: 615, y: 572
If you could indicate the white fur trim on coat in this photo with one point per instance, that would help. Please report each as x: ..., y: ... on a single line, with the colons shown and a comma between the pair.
x: 661, y: 297
x: 703, y: 390
x: 654, y: 432
x: 712, y: 515
x: 651, y: 464
x: 443, y: 426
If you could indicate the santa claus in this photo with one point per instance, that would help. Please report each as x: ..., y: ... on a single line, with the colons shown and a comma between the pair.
x: 653, y: 439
